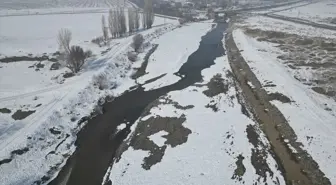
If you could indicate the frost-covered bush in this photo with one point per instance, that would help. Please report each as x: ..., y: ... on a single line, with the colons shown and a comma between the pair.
x: 88, y: 53
x: 103, y: 82
x: 132, y: 56
x: 137, y: 42
x: 99, y: 41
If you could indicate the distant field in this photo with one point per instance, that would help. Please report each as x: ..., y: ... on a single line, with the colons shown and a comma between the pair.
x: 41, y: 31
x: 321, y: 12
x: 36, y: 4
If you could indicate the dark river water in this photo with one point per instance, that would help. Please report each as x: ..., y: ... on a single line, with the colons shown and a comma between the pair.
x: 96, y: 145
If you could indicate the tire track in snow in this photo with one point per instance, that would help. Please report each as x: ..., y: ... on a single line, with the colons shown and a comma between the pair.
x: 36, y: 121
x: 39, y: 116
x: 40, y: 91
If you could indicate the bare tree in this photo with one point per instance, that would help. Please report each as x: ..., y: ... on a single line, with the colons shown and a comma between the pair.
x: 137, y: 42
x: 144, y: 22
x: 104, y: 29
x: 75, y: 59
x: 148, y: 13
x: 64, y: 38
x: 137, y: 19
x: 131, y: 20
x: 122, y: 21
x: 117, y: 22
x: 112, y: 23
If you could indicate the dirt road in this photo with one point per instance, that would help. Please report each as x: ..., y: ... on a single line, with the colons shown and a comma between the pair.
x: 298, y: 168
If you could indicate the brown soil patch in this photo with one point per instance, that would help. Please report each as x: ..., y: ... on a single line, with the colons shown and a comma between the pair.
x: 279, y: 97
x: 5, y: 111
x: 140, y: 140
x: 240, y: 169
x: 177, y: 134
x: 216, y: 86
x: 20, y: 115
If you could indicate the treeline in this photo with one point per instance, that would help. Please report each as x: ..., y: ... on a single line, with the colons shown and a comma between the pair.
x: 117, y: 22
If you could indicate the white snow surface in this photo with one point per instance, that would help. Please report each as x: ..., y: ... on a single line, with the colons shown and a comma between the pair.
x: 320, y: 12
x: 269, y: 24
x: 38, y: 4
x: 63, y: 103
x: 37, y: 34
x: 207, y: 157
x: 121, y: 126
x: 250, y: 84
x: 306, y: 115
x: 284, y: 8
x: 173, y: 51
x: 158, y: 139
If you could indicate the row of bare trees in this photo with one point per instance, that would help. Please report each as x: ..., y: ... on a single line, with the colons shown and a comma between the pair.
x: 148, y: 14
x: 116, y: 21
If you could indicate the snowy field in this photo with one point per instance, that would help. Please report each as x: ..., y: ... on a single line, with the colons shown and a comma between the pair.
x: 246, y: 4
x: 46, y: 7
x: 205, y: 140
x: 320, y: 12
x: 312, y: 115
x: 270, y: 24
x: 37, y: 4
x: 40, y: 108
x: 283, y: 8
x: 42, y: 38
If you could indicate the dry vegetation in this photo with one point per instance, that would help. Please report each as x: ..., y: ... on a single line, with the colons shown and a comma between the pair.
x: 305, y: 54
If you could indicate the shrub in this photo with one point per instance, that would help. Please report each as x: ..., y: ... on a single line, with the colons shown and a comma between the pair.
x: 137, y: 42
x: 132, y: 56
x: 181, y: 21
x: 88, y: 53
x: 333, y: 20
x: 98, y: 41
x: 75, y: 59
x: 103, y: 82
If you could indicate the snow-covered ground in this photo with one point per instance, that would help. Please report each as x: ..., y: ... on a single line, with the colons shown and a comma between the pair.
x: 36, y: 4
x: 307, y: 114
x: 200, y: 145
x: 283, y: 8
x: 21, y: 35
x: 173, y: 50
x: 36, y: 146
x: 270, y: 24
x: 246, y: 4
x: 320, y: 12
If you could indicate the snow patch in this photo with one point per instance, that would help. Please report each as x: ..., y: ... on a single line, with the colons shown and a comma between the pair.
x: 158, y: 139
